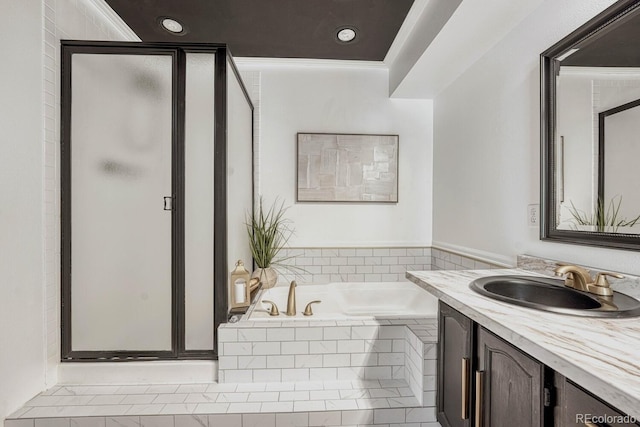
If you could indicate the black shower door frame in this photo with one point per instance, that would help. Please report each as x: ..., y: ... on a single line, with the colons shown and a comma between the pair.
x: 178, y: 54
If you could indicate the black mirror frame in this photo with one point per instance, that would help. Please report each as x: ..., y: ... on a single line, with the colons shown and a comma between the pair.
x: 548, y: 68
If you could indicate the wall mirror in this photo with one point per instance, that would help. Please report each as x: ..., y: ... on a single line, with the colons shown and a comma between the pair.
x: 590, y: 132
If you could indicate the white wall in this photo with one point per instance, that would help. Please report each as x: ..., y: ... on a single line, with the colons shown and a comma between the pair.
x: 70, y: 20
x: 21, y: 204
x: 29, y: 211
x: 302, y: 98
x: 486, y: 147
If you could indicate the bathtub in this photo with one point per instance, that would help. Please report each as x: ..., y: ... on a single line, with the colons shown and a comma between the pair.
x: 353, y: 300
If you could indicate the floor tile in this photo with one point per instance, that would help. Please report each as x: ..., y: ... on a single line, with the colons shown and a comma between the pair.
x: 277, y: 407
x: 52, y: 422
x: 138, y: 399
x: 192, y: 420
x: 245, y: 407
x: 151, y: 409
x: 157, y: 421
x: 123, y: 422
x: 178, y: 408
x: 211, y: 408
x: 88, y: 422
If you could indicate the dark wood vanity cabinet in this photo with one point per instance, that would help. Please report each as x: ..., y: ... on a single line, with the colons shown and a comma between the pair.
x: 455, y: 333
x: 577, y: 407
x: 483, y: 380
x: 509, y: 384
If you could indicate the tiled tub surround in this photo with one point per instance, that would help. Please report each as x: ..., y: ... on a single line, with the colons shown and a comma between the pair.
x: 408, y: 401
x: 361, y: 264
x: 600, y: 355
x: 373, y: 264
x: 265, y: 351
x: 442, y: 259
x: 278, y: 373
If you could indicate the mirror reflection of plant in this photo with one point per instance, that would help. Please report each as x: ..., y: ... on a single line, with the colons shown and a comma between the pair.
x: 269, y: 232
x: 603, y: 217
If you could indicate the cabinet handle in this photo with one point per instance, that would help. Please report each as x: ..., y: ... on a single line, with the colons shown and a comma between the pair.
x: 479, y: 397
x: 465, y: 388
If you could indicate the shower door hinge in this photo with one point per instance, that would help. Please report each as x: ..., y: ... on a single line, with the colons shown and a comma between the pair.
x: 168, y: 203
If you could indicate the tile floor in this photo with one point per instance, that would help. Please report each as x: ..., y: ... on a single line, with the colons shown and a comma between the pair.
x: 375, y: 402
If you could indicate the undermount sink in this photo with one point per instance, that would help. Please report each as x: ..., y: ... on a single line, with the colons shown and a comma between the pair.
x: 550, y: 294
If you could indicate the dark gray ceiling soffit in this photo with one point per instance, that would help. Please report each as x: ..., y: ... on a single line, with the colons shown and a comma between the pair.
x: 273, y: 28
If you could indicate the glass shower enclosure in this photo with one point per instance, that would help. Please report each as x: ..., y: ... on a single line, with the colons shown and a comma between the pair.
x: 156, y: 180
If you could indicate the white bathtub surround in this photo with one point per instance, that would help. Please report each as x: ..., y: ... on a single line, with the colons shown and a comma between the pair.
x: 420, y: 363
x: 355, y: 264
x: 344, y: 301
x: 598, y: 354
x: 316, y: 350
x: 375, y: 264
x: 303, y: 372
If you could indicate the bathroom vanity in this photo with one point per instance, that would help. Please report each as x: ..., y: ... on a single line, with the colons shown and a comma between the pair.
x: 499, y: 364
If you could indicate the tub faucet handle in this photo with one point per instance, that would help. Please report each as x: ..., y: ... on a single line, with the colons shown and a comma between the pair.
x: 307, y: 309
x: 274, y: 308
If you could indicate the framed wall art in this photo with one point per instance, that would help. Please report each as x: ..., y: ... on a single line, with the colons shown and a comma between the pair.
x: 347, y: 168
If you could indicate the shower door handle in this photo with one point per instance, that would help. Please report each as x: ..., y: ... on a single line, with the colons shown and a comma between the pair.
x: 168, y: 203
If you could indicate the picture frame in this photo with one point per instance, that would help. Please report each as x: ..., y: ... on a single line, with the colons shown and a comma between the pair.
x: 346, y: 168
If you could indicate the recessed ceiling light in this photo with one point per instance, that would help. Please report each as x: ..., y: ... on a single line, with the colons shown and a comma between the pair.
x: 172, y: 25
x: 346, y: 35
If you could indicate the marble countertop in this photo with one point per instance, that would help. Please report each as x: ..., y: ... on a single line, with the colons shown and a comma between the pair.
x: 601, y: 355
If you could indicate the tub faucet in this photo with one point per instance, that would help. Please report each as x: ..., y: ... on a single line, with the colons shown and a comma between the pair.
x: 291, y: 301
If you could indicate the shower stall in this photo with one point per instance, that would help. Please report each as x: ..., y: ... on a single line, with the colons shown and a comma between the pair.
x: 156, y: 183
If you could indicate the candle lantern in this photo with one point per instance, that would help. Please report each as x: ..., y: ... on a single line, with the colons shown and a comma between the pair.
x: 239, y: 286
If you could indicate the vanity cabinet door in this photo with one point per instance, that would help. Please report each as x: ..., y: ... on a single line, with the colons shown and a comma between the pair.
x: 580, y: 408
x: 454, y: 368
x: 509, y: 385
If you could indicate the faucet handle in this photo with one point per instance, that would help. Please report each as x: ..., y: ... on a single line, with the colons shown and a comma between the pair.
x: 274, y: 308
x: 307, y: 309
x: 601, y: 278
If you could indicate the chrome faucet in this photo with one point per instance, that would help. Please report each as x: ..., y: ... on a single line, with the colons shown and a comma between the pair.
x: 291, y: 301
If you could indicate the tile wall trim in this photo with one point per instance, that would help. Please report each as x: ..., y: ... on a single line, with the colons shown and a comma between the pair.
x: 494, y: 259
x: 448, y: 260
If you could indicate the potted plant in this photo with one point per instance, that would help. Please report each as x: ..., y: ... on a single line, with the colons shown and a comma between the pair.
x: 269, y: 232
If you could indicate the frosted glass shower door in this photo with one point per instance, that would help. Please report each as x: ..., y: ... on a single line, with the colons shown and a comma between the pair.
x: 199, y: 189
x: 121, y: 172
